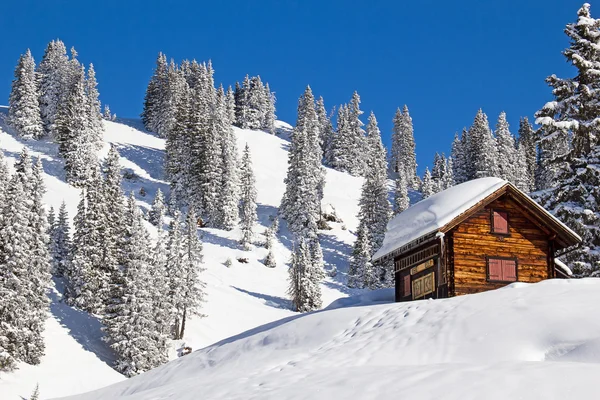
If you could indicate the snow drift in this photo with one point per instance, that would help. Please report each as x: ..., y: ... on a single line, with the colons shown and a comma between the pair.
x: 539, y: 341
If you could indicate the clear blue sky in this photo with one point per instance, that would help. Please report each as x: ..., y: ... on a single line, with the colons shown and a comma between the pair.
x: 444, y: 59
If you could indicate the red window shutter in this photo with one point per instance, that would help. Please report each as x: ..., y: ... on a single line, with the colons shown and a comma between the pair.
x: 406, y: 285
x: 500, y: 222
x: 509, y: 270
x: 495, y: 269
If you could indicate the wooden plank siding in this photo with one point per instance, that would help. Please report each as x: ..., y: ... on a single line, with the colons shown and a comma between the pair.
x: 472, y: 241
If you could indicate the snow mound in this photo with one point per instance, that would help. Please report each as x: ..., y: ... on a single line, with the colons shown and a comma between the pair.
x: 539, y: 341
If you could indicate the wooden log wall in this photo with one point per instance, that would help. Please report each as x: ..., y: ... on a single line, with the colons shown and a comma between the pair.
x: 473, y: 241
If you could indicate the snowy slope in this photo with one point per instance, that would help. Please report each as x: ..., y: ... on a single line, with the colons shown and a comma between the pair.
x: 539, y: 341
x: 238, y: 298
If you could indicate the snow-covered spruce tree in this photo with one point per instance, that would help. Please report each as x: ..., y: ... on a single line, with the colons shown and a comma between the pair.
x: 96, y: 126
x: 362, y: 273
x: 401, y: 200
x: 438, y: 173
x: 88, y: 274
x: 528, y: 148
x: 241, y: 96
x: 427, y: 186
x: 191, y: 291
x: 52, y: 72
x: 301, y: 202
x: 403, y: 137
x: 128, y: 321
x: 458, y: 158
x: 268, y: 124
x: 230, y: 105
x: 357, y: 137
x: 269, y: 260
x: 482, y: 154
x: 38, y: 268
x: 256, y: 102
x: 228, y: 198
x: 76, y: 142
x: 18, y: 298
x: 507, y: 151
x: 522, y: 177
x: 175, y: 270
x: 36, y: 393
x: 212, y: 158
x: 24, y: 107
x: 177, y: 147
x: 325, y: 127
x: 575, y: 113
x: 304, y: 278
x: 60, y: 240
x: 156, y: 95
x: 158, y: 210
x: 337, y: 156
x: 247, y: 199
x: 110, y: 201
x: 162, y: 307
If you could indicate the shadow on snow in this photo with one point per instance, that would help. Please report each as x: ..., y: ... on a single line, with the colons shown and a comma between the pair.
x: 271, y: 301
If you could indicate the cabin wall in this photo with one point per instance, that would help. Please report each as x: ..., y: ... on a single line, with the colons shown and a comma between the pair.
x: 472, y: 242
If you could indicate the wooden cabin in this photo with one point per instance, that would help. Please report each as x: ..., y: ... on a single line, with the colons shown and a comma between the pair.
x: 476, y: 236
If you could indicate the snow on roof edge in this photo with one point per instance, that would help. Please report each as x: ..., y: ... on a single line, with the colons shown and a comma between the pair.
x: 564, y: 267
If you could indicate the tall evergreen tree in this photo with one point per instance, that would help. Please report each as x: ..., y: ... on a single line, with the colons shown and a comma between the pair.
x: 24, y: 107
x: 401, y: 200
x: 175, y: 270
x: 458, y: 157
x: 158, y: 210
x: 325, y: 127
x: 269, y: 114
x: 362, y: 273
x: 96, y: 126
x: 507, y: 151
x: 53, y: 71
x: 573, y: 194
x: 156, y: 95
x: 304, y: 278
x: 528, y: 148
x: 482, y: 154
x: 228, y: 198
x: 247, y: 199
x: 61, y: 242
x: 403, y: 146
x: 242, y: 103
x: 427, y: 188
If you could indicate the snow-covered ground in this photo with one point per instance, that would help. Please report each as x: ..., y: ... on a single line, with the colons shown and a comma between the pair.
x: 539, y: 341
x: 239, y: 298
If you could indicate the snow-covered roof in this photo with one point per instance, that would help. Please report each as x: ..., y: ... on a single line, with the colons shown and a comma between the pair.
x: 431, y: 214
x: 563, y: 267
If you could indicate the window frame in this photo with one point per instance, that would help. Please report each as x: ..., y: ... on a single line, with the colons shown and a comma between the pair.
x: 487, y: 268
x: 499, y: 210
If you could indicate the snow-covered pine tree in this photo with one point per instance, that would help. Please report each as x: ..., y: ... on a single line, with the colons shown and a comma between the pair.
x: 191, y: 290
x: 301, y: 202
x: 482, y: 154
x: 362, y: 273
x: 401, y: 200
x: 269, y: 260
x: 230, y: 104
x: 53, y: 89
x: 304, y: 278
x: 268, y: 124
x: 448, y: 180
x: 76, y: 144
x: 256, y: 103
x: 356, y: 136
x: 38, y: 267
x: 177, y: 147
x: 212, y: 173
x: 337, y: 156
x: 427, y: 186
x: 408, y: 156
x: 247, y: 199
x: 325, y: 127
x: 175, y: 270
x: 438, y: 172
x: 228, y: 199
x: 128, y: 322
x: 158, y: 210
x: 375, y: 209
x: 36, y: 393
x: 528, y: 148
x: 15, y: 285
x: 24, y: 107
x: 507, y: 151
x: 155, y: 94
x: 522, y: 178
x: 96, y: 126
x: 241, y: 96
x: 458, y: 157
x: 106, y: 114
x: 575, y: 113
x: 60, y: 240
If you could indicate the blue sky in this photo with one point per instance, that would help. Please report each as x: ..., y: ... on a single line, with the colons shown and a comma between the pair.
x: 443, y: 59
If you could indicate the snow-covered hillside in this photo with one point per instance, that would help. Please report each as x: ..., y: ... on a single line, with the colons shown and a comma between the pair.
x: 240, y: 297
x: 539, y: 341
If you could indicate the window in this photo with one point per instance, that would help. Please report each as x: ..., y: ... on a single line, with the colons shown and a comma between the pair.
x: 502, y: 270
x: 406, y: 281
x: 500, y: 222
